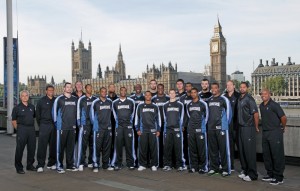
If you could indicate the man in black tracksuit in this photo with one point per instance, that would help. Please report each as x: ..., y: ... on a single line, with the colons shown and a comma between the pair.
x: 138, y: 98
x: 112, y: 96
x: 23, y: 121
x: 185, y: 99
x: 147, y: 124
x: 160, y: 99
x: 64, y: 117
x: 84, y: 124
x: 273, y: 125
x: 123, y: 109
x: 47, y: 132
x: 173, y: 138
x: 218, y: 135
x: 248, y: 126
x: 233, y: 97
x: 197, y: 112
x: 102, y: 135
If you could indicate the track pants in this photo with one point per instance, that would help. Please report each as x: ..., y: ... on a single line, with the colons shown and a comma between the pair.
x: 124, y: 137
x: 219, y: 148
x: 198, y: 152
x: 173, y: 140
x: 47, y: 136
x: 273, y: 153
x: 25, y: 136
x: 83, y: 142
x: 102, y: 142
x: 247, y: 149
x: 65, y: 140
x: 161, y: 147
x: 232, y: 142
x: 148, y: 143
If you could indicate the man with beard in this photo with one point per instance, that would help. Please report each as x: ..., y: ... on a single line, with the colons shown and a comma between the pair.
x: 273, y: 125
x: 153, y: 85
x: 248, y: 126
x: 205, y: 94
x: 160, y: 99
x: 233, y: 97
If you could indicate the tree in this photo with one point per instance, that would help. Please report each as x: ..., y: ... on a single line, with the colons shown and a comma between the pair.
x: 276, y: 85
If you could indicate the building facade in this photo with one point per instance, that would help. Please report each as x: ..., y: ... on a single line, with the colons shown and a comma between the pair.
x: 36, y: 85
x: 289, y: 71
x: 218, y: 52
x: 238, y: 75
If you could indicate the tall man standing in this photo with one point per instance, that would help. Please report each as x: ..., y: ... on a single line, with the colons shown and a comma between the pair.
x: 47, y: 132
x: 23, y: 121
x: 160, y: 99
x: 102, y: 135
x: 248, y: 126
x: 147, y: 124
x: 64, y: 117
x: 85, y: 126
x: 273, y: 126
x: 123, y: 109
x: 218, y: 136
x: 233, y: 97
x: 112, y: 96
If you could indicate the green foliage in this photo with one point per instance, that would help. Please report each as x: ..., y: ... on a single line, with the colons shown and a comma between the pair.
x: 276, y: 85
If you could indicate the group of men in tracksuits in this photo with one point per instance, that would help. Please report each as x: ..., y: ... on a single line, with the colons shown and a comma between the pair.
x: 186, y: 127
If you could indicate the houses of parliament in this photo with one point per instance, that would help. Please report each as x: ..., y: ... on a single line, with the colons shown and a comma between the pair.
x: 166, y: 74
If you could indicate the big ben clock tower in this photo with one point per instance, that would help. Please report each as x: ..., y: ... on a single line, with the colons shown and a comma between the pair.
x: 218, y: 51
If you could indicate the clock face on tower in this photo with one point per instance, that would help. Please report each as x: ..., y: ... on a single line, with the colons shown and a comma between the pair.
x: 214, y: 47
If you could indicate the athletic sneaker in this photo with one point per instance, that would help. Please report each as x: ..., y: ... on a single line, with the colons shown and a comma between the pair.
x: 179, y: 169
x: 211, y: 172
x: 201, y: 171
x: 276, y: 182
x: 247, y: 179
x: 225, y: 174
x: 192, y: 170
x: 110, y: 168
x: 184, y: 167
x: 80, y: 168
x: 95, y: 170
x: 60, y: 171
x: 267, y: 179
x: 242, y: 175
x: 117, y: 168
x: 90, y: 165
x: 141, y: 168
x: 53, y: 167
x: 154, y: 168
x: 167, y: 168
x: 131, y: 168
x: 40, y: 169
x: 73, y: 169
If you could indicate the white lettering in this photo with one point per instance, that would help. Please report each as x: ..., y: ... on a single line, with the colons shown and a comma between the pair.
x: 70, y: 103
x: 214, y: 104
x: 148, y: 110
x: 194, y: 109
x: 104, y: 107
x: 173, y: 109
x: 123, y: 106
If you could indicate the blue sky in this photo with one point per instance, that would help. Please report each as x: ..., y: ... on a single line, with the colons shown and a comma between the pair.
x: 151, y: 32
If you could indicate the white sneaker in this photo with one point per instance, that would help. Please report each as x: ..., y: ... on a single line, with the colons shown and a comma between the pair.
x: 180, y: 169
x: 80, y: 168
x: 90, y: 165
x: 225, y: 174
x: 167, y: 168
x: 95, y: 170
x: 141, y: 168
x: 154, y: 168
x: 60, y: 171
x: 247, y: 179
x: 242, y: 175
x: 110, y: 168
x: 40, y: 169
x: 53, y: 167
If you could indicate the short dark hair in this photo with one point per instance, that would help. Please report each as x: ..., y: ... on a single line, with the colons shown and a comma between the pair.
x: 195, y: 89
x: 49, y: 86
x: 148, y: 92
x: 216, y: 84
x: 245, y: 83
x: 153, y: 80
x: 205, y: 80
x: 161, y: 85
x: 172, y: 89
x: 123, y: 87
x: 67, y: 84
x: 180, y: 80
x: 189, y: 83
x: 87, y: 86
x: 102, y: 88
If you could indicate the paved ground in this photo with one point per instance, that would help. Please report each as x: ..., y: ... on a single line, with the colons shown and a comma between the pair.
x: 127, y: 180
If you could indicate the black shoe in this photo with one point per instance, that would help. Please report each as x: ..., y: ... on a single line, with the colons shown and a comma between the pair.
x: 276, y: 182
x: 32, y: 168
x: 267, y: 179
x: 21, y: 171
x: 201, y: 171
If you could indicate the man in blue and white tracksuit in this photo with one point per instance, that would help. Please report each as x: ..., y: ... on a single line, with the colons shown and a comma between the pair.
x: 218, y: 136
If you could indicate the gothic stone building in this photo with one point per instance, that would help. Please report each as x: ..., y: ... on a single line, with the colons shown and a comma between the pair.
x: 290, y: 71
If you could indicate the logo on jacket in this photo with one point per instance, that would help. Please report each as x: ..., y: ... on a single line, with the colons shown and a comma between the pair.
x: 129, y: 135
